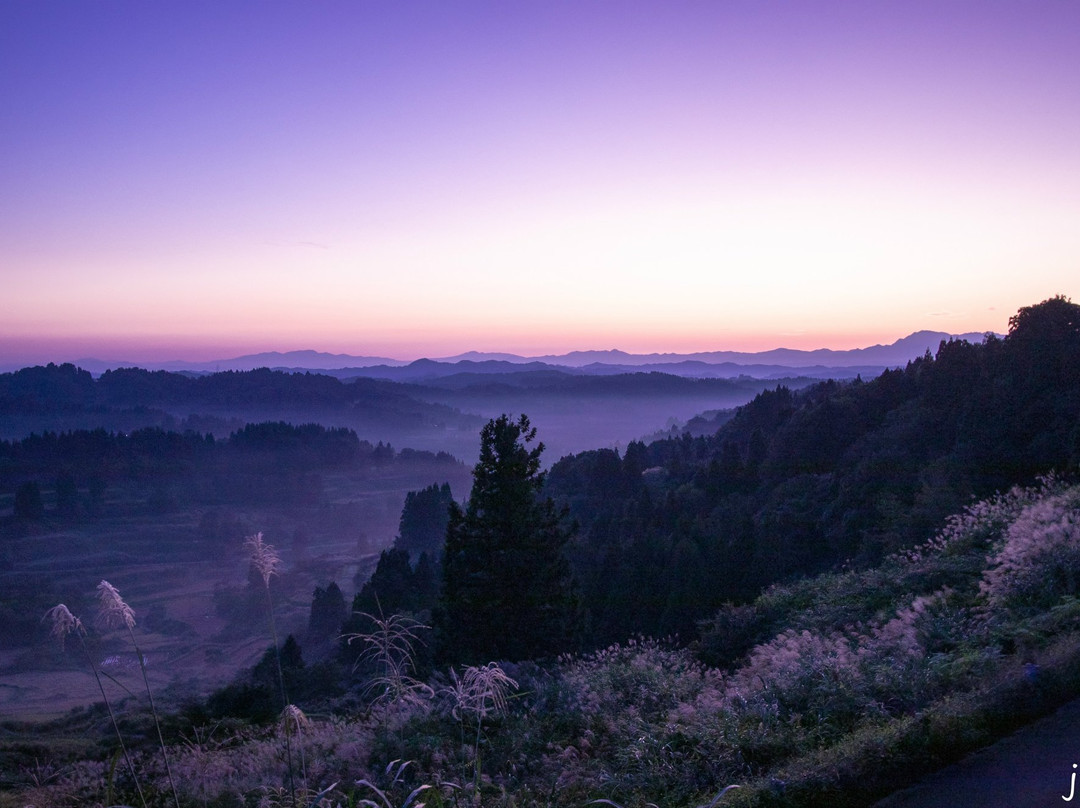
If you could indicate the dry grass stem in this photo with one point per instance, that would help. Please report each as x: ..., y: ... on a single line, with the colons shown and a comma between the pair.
x: 63, y: 623
x: 266, y: 560
x: 390, y: 649
x: 292, y: 720
x: 115, y: 613
x: 481, y: 690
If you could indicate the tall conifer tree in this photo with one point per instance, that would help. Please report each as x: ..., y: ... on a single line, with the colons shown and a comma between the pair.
x: 507, y: 592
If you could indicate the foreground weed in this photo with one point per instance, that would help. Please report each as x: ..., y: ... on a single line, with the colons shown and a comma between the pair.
x: 40, y: 774
x: 278, y: 798
x: 293, y: 719
x: 266, y: 560
x: 397, y: 778
x: 115, y: 613
x: 482, y: 690
x: 62, y: 623
x: 390, y: 647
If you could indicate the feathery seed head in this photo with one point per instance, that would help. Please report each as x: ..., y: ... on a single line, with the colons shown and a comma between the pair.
x: 293, y: 718
x: 113, y: 612
x: 62, y: 622
x: 263, y: 556
x: 482, y: 690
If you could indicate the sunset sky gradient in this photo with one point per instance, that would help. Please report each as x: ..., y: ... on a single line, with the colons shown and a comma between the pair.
x: 196, y: 180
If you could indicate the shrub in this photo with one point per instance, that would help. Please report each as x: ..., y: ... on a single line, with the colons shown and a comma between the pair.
x: 1039, y: 561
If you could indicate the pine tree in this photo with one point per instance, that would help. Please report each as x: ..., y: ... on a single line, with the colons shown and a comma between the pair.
x: 390, y: 589
x: 507, y: 592
x: 328, y: 611
x: 423, y: 521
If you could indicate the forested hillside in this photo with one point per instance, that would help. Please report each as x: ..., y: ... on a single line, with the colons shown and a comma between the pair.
x: 800, y: 482
x: 63, y: 398
x: 265, y: 462
x: 433, y: 414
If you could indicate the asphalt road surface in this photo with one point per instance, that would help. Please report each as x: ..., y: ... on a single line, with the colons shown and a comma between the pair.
x: 1034, y: 768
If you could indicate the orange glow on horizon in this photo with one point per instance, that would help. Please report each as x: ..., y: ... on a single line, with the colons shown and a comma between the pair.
x: 406, y: 346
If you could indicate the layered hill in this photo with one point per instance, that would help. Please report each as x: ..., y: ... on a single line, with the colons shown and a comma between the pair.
x: 440, y: 412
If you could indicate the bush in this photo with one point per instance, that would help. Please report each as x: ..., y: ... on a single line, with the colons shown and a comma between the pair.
x: 1039, y: 562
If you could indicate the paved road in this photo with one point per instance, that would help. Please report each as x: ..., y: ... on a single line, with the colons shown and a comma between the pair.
x: 1030, y: 769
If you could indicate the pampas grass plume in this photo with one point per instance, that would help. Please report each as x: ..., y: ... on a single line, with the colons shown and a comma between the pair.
x: 293, y: 717
x: 62, y: 622
x: 114, y: 613
x: 263, y: 556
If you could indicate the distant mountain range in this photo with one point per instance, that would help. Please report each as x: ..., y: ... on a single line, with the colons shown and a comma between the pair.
x: 898, y: 353
x: 777, y: 363
x: 583, y: 400
x: 299, y: 360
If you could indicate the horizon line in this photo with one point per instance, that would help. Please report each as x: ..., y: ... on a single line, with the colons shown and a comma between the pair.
x: 7, y: 364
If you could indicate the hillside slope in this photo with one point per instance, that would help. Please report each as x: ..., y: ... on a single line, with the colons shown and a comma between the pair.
x: 798, y: 482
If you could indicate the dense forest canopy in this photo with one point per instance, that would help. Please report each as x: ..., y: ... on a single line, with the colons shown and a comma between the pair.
x: 800, y: 481
x: 64, y: 398
x: 263, y: 460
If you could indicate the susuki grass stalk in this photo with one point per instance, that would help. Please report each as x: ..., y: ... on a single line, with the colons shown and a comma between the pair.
x: 390, y: 647
x: 482, y: 690
x: 266, y: 560
x: 114, y: 613
x: 294, y: 717
x: 63, y: 622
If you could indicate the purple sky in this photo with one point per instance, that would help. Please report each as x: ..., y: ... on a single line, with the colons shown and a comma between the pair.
x: 201, y: 179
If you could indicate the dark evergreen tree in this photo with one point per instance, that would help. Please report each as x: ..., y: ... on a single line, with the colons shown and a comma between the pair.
x: 423, y: 520
x: 426, y: 582
x: 328, y: 611
x: 390, y: 589
x: 507, y: 592
x: 265, y: 673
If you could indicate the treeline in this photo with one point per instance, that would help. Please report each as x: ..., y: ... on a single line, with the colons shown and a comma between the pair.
x: 799, y: 482
x: 65, y: 394
x: 65, y: 388
x: 263, y: 462
x: 561, y: 383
